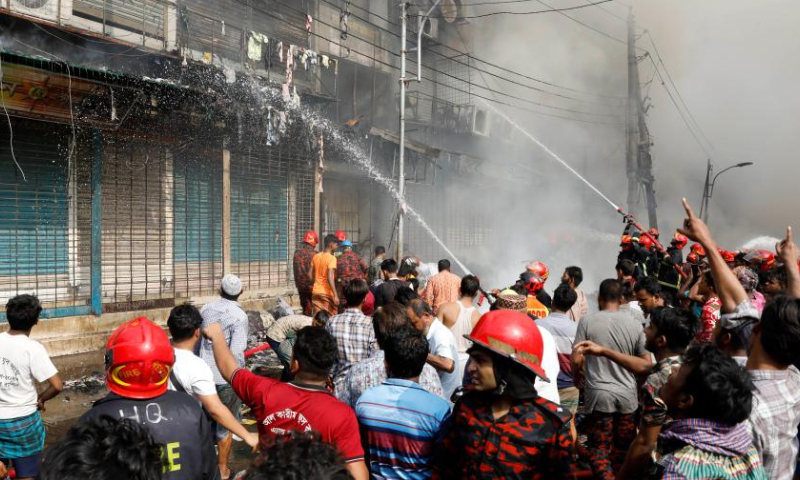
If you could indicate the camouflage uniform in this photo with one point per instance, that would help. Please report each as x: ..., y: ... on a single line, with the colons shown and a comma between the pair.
x: 531, y: 442
x: 302, y: 264
x: 349, y: 267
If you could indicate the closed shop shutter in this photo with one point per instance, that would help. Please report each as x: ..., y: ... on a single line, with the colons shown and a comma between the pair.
x: 136, y: 222
x: 197, y: 220
x: 265, y: 182
x: 39, y: 225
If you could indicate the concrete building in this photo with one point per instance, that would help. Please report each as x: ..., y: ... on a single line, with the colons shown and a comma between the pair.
x: 153, y: 150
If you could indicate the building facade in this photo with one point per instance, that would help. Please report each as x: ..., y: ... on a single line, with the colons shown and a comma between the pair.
x: 151, y: 146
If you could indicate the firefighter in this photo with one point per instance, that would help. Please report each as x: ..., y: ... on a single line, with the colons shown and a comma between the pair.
x: 501, y: 427
x: 341, y: 236
x: 139, y: 360
x: 626, y: 251
x: 302, y: 263
x: 534, y: 286
x: 668, y: 275
x: 540, y: 270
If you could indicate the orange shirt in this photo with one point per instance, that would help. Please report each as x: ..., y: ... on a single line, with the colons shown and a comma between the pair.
x: 536, y: 308
x: 442, y: 288
x: 322, y: 262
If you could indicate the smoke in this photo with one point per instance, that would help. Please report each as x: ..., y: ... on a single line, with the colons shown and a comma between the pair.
x: 738, y: 78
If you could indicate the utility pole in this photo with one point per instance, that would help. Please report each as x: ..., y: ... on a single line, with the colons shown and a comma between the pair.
x: 639, y: 164
x: 403, y: 86
x: 403, y: 80
x: 706, y: 192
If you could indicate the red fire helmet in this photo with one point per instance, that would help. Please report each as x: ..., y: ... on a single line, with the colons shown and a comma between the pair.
x: 540, y: 269
x: 761, y: 259
x: 340, y: 235
x: 625, y: 241
x: 680, y: 241
x: 693, y: 258
x: 533, y: 283
x: 728, y: 256
x: 512, y: 335
x: 646, y: 242
x: 138, y: 360
x: 699, y: 250
x: 311, y: 238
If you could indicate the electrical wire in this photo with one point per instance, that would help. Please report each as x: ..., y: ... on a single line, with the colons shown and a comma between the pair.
x: 452, y: 59
x: 10, y: 127
x: 675, y: 87
x: 551, y: 10
x: 391, y: 66
x: 473, y: 57
x: 622, y: 19
x: 586, y: 25
x: 322, y: 37
x: 517, y: 107
x: 680, y: 112
x: 532, y: 102
x: 69, y: 95
x: 464, y: 4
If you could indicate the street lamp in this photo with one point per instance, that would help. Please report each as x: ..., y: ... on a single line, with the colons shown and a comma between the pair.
x: 708, y: 191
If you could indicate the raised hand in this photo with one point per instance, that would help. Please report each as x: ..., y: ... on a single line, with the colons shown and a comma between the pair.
x: 695, y: 228
x: 786, y: 248
x: 213, y: 331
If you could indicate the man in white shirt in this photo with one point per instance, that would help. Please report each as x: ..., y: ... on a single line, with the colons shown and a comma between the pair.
x: 443, y: 354
x: 23, y: 363
x: 190, y: 374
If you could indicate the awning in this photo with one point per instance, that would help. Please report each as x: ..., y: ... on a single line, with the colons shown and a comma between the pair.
x: 409, y: 144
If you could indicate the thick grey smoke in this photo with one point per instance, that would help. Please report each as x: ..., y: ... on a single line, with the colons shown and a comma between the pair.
x: 735, y: 63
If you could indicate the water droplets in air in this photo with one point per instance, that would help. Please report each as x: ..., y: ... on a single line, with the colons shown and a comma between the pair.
x: 357, y: 155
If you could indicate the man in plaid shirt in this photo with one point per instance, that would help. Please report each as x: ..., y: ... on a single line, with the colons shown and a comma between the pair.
x: 352, y: 330
x: 771, y: 361
x: 232, y: 318
x: 774, y: 350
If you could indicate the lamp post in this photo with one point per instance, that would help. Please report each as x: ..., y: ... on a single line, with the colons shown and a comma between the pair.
x: 708, y: 191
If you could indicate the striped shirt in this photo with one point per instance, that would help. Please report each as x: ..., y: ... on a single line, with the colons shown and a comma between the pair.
x: 563, y: 330
x: 402, y: 423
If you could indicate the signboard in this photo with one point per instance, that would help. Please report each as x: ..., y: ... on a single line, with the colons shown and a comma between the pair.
x: 35, y: 93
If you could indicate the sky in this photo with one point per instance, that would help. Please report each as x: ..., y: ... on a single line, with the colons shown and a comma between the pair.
x: 736, y: 65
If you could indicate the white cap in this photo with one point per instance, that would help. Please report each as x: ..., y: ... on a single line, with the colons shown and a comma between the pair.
x: 231, y: 285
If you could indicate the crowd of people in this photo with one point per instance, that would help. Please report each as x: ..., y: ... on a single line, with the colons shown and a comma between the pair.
x: 685, y: 369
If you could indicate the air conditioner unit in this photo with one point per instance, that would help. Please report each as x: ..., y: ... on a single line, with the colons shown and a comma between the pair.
x: 431, y: 28
x: 481, y: 121
x: 51, y: 10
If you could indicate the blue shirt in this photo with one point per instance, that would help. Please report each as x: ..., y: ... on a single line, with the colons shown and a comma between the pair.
x: 402, y: 423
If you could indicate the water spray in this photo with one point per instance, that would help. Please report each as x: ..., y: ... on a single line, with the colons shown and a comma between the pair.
x: 535, y: 140
x: 358, y: 156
